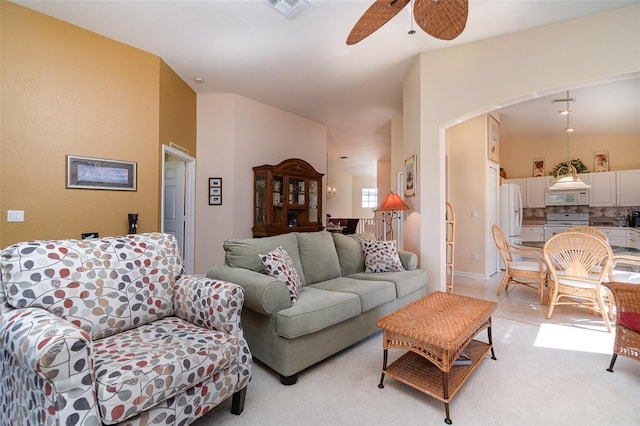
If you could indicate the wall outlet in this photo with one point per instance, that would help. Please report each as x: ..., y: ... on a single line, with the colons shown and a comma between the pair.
x: 15, y: 215
x: 474, y: 256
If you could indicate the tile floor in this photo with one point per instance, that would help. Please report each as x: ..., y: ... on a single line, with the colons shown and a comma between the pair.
x: 520, y: 303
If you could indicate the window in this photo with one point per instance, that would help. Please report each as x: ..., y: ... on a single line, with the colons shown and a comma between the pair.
x: 369, y: 198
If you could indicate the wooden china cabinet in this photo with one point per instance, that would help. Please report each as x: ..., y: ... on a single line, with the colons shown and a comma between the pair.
x: 287, y: 198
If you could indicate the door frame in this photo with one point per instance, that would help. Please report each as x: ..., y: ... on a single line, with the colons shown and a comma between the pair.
x: 188, y: 255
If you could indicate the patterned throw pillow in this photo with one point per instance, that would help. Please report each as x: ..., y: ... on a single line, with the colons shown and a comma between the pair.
x: 381, y: 256
x: 279, y: 265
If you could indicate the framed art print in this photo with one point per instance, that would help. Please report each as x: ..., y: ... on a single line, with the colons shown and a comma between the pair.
x: 493, y: 138
x: 601, y: 161
x: 538, y: 167
x: 410, y: 174
x: 215, y: 191
x: 99, y: 173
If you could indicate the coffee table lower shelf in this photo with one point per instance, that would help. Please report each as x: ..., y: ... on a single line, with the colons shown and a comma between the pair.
x: 419, y: 373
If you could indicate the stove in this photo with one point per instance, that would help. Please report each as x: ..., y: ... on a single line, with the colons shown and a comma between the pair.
x: 560, y: 222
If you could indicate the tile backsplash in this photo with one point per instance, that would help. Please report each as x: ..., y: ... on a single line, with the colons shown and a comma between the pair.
x: 602, y: 216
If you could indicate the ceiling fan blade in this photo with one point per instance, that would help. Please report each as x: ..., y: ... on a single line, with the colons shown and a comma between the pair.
x: 443, y: 19
x: 378, y: 14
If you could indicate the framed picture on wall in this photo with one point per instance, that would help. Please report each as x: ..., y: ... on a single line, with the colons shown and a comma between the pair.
x: 215, y: 191
x: 410, y: 176
x: 601, y: 161
x: 99, y: 173
x: 538, y: 167
x: 493, y: 138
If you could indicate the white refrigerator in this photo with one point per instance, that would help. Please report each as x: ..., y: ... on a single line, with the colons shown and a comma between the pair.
x: 511, y: 212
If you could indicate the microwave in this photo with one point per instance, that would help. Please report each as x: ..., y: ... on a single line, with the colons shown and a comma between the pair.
x: 575, y: 197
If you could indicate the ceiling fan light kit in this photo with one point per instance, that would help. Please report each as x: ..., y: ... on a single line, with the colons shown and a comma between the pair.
x: 442, y: 19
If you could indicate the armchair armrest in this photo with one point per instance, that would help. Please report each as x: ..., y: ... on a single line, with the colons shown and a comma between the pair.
x: 263, y: 294
x: 49, y: 360
x: 209, y: 303
x: 408, y: 259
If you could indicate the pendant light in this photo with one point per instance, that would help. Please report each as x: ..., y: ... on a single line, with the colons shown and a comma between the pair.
x: 566, y: 177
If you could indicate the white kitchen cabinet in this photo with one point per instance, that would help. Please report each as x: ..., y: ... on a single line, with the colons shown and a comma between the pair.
x: 603, y: 188
x: 616, y: 236
x: 633, y: 238
x: 522, y: 183
x: 536, y: 187
x: 628, y: 187
x: 533, y: 233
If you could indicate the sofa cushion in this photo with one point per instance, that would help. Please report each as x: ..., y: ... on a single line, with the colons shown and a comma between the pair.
x: 103, y: 286
x: 372, y: 293
x: 406, y: 281
x: 139, y: 368
x: 381, y: 256
x: 245, y: 253
x: 316, y: 309
x: 350, y: 254
x: 318, y: 256
x: 630, y: 320
x: 279, y: 265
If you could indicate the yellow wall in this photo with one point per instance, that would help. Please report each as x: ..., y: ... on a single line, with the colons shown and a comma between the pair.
x: 516, y: 156
x: 65, y: 91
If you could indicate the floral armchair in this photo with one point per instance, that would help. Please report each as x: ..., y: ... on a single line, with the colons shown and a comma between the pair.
x: 108, y: 331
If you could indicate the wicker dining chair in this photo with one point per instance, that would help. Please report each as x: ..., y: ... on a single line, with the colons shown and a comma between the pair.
x: 531, y: 273
x: 578, y: 264
x: 589, y: 230
x: 627, y: 340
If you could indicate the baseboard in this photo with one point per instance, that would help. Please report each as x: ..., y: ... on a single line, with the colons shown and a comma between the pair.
x: 470, y: 275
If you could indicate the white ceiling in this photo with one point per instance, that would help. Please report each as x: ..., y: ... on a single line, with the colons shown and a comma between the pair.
x: 303, y: 65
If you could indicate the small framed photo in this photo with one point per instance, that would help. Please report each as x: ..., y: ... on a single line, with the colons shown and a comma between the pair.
x: 493, y: 138
x: 410, y: 176
x: 601, y: 161
x: 538, y: 167
x: 215, y: 191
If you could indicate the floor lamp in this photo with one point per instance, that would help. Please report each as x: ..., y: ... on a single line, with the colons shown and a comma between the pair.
x: 392, y: 204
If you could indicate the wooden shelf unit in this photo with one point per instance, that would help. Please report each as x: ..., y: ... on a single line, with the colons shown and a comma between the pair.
x: 287, y: 198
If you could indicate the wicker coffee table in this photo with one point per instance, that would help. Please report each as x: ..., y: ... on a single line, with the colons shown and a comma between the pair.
x: 435, y: 330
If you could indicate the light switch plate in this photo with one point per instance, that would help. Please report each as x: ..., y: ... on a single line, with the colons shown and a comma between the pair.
x: 15, y: 215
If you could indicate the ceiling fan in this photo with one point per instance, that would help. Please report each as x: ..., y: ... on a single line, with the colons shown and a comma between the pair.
x: 443, y: 19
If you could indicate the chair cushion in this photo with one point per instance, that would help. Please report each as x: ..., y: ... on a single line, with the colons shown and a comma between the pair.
x: 526, y: 265
x: 245, y: 253
x: 279, y: 265
x: 372, y: 293
x: 381, y: 256
x: 350, y: 253
x: 139, y: 368
x: 318, y: 256
x: 316, y: 309
x: 630, y: 320
x: 406, y: 281
x: 103, y: 286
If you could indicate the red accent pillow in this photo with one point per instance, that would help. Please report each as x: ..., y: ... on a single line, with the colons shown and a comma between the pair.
x: 630, y: 320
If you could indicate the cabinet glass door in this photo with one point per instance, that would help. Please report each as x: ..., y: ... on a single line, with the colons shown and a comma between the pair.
x: 259, y: 207
x: 278, y: 199
x: 313, y: 200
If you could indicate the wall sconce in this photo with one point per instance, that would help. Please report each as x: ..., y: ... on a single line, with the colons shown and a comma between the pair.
x: 330, y: 192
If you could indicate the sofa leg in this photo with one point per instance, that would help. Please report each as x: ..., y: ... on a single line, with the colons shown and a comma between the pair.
x: 289, y: 380
x: 237, y: 401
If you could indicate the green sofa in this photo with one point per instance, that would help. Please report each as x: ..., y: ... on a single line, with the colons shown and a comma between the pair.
x: 338, y: 303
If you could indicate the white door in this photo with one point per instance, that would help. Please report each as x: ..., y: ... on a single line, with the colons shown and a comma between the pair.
x: 174, y: 220
x: 181, y: 209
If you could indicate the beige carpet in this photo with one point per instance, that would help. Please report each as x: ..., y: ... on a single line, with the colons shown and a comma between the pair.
x: 546, y: 374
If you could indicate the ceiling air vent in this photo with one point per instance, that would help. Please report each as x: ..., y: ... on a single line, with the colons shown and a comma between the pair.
x: 289, y: 8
